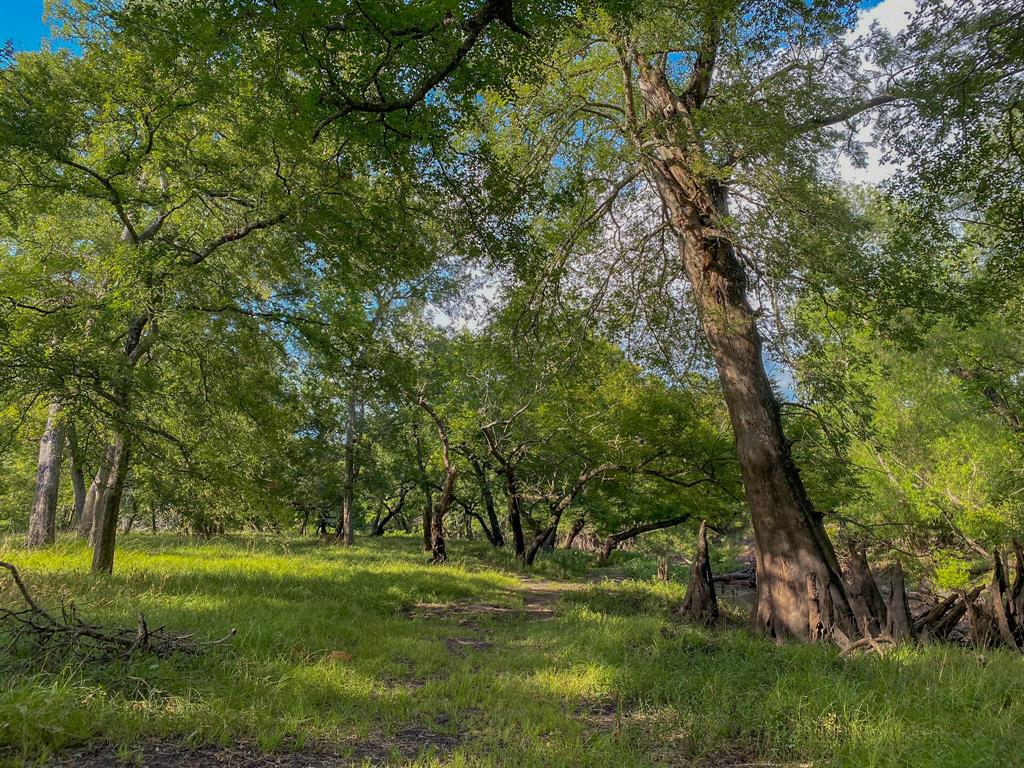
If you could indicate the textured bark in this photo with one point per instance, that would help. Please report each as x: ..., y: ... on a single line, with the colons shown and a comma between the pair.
x: 1017, y: 588
x: 1011, y: 634
x: 700, y: 605
x: 94, y: 497
x: 983, y: 632
x: 439, y: 552
x: 790, y: 539
x: 865, y: 598
x: 899, y: 625
x: 107, y: 514
x: 42, y: 525
x: 515, y: 516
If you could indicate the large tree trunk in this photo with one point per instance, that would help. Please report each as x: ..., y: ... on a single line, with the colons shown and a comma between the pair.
x: 42, y: 525
x: 106, y: 515
x: 792, y: 546
x: 77, y: 473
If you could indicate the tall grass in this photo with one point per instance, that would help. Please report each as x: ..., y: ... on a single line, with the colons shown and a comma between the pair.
x: 613, y: 679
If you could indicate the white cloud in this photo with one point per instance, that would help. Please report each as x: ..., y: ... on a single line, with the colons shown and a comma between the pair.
x: 893, y: 16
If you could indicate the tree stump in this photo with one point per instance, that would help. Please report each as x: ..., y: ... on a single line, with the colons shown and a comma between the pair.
x: 898, y: 625
x: 865, y: 598
x: 700, y: 605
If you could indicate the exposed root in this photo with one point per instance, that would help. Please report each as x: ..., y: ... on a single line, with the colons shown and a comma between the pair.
x: 44, y: 635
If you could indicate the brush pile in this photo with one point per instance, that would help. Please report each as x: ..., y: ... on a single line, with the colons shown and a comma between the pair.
x: 34, y: 632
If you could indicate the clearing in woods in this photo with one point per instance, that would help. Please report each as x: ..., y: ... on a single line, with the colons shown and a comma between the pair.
x: 371, y: 656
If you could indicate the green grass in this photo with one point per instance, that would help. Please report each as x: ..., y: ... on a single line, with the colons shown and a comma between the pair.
x: 612, y: 680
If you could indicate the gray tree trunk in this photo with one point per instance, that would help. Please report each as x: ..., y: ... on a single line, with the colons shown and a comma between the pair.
x: 106, y: 516
x: 42, y: 526
x: 94, y: 497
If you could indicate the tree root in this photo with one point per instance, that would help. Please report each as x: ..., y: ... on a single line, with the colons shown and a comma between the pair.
x: 67, y: 636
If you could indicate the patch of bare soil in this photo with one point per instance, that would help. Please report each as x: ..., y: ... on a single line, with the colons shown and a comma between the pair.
x: 466, y: 611
x: 539, y: 597
x: 396, y: 748
x: 602, y: 714
x: 458, y: 646
x: 406, y: 744
x: 168, y: 754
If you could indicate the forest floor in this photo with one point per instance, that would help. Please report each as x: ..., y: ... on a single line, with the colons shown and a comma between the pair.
x: 370, y: 656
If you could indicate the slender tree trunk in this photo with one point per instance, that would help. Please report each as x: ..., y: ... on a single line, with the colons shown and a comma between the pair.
x: 428, y: 498
x: 42, y: 526
x: 106, y: 521
x: 382, y: 520
x: 437, y: 545
x: 94, y: 498
x: 791, y: 544
x: 546, y: 535
x: 515, y: 518
x: 77, y: 473
x: 487, y: 496
x: 574, y: 531
x: 439, y: 553
x: 347, y: 535
x: 130, y: 523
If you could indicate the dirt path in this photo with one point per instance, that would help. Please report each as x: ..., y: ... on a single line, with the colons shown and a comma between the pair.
x: 539, y: 598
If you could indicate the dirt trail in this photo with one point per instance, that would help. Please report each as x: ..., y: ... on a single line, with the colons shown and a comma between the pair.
x: 539, y: 599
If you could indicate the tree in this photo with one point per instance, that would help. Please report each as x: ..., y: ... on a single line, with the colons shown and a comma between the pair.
x: 726, y: 113
x: 42, y: 523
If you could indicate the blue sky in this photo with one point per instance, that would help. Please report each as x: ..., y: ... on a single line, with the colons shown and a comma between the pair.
x: 22, y: 22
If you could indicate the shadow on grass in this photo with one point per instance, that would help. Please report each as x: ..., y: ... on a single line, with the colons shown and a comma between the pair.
x: 612, y: 679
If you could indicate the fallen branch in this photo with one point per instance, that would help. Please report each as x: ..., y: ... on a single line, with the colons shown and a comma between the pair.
x: 68, y: 636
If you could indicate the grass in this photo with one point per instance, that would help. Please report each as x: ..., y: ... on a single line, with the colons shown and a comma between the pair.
x: 597, y: 674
